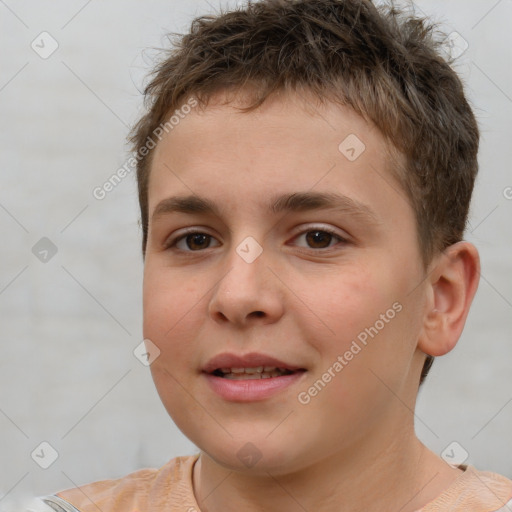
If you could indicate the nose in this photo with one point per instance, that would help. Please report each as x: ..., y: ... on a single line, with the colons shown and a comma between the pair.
x: 249, y: 293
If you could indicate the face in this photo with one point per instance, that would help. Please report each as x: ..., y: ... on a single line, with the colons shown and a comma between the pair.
x: 326, y: 282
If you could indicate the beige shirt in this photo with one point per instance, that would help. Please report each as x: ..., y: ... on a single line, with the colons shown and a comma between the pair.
x: 170, y: 489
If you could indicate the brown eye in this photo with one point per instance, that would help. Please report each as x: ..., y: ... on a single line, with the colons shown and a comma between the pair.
x: 197, y: 241
x: 193, y: 241
x: 319, y: 239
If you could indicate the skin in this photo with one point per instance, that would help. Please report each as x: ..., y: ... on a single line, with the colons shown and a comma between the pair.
x: 303, y: 300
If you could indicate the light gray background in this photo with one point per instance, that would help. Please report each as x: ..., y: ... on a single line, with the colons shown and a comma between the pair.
x: 68, y: 375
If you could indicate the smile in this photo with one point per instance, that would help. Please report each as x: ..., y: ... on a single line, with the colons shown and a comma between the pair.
x: 259, y: 372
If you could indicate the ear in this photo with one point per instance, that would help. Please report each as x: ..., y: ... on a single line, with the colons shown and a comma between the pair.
x: 452, y: 284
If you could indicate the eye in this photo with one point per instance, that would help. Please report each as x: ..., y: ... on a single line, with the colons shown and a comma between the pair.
x: 320, y: 238
x: 195, y: 241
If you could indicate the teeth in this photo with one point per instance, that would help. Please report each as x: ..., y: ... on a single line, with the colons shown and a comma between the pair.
x: 251, y: 376
x: 257, y: 369
x: 260, y: 372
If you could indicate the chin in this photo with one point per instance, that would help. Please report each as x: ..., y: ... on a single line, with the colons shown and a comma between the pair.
x: 258, y: 458
x: 248, y: 459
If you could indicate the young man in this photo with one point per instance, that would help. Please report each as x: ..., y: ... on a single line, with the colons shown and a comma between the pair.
x: 305, y: 171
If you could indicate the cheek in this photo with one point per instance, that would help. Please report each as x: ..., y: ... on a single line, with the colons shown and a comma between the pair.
x: 173, y: 310
x: 348, y: 302
x: 368, y: 320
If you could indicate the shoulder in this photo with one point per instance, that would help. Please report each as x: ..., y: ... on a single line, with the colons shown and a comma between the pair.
x: 475, y: 491
x: 168, y: 488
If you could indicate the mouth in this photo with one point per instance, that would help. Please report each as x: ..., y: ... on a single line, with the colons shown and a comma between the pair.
x: 249, y: 366
x: 250, y: 377
x: 255, y: 373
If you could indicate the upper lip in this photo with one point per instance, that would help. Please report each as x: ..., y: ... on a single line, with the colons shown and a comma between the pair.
x: 251, y: 360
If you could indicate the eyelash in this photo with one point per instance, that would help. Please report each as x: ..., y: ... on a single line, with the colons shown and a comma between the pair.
x: 173, y: 242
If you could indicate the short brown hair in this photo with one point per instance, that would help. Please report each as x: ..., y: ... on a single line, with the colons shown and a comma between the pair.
x: 385, y: 64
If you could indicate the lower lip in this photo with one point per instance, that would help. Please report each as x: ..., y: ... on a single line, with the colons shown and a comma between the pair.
x: 251, y: 390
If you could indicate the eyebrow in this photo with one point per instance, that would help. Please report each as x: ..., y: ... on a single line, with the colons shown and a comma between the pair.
x: 294, y: 202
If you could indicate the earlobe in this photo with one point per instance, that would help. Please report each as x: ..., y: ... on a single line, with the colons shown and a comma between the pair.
x: 453, y: 283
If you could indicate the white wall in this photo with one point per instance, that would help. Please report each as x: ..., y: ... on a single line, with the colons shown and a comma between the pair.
x: 69, y: 326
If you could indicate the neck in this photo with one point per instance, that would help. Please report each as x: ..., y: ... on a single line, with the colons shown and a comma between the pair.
x: 403, y: 476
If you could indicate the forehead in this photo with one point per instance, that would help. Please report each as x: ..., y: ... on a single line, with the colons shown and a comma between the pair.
x: 296, y: 117
x: 290, y: 143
